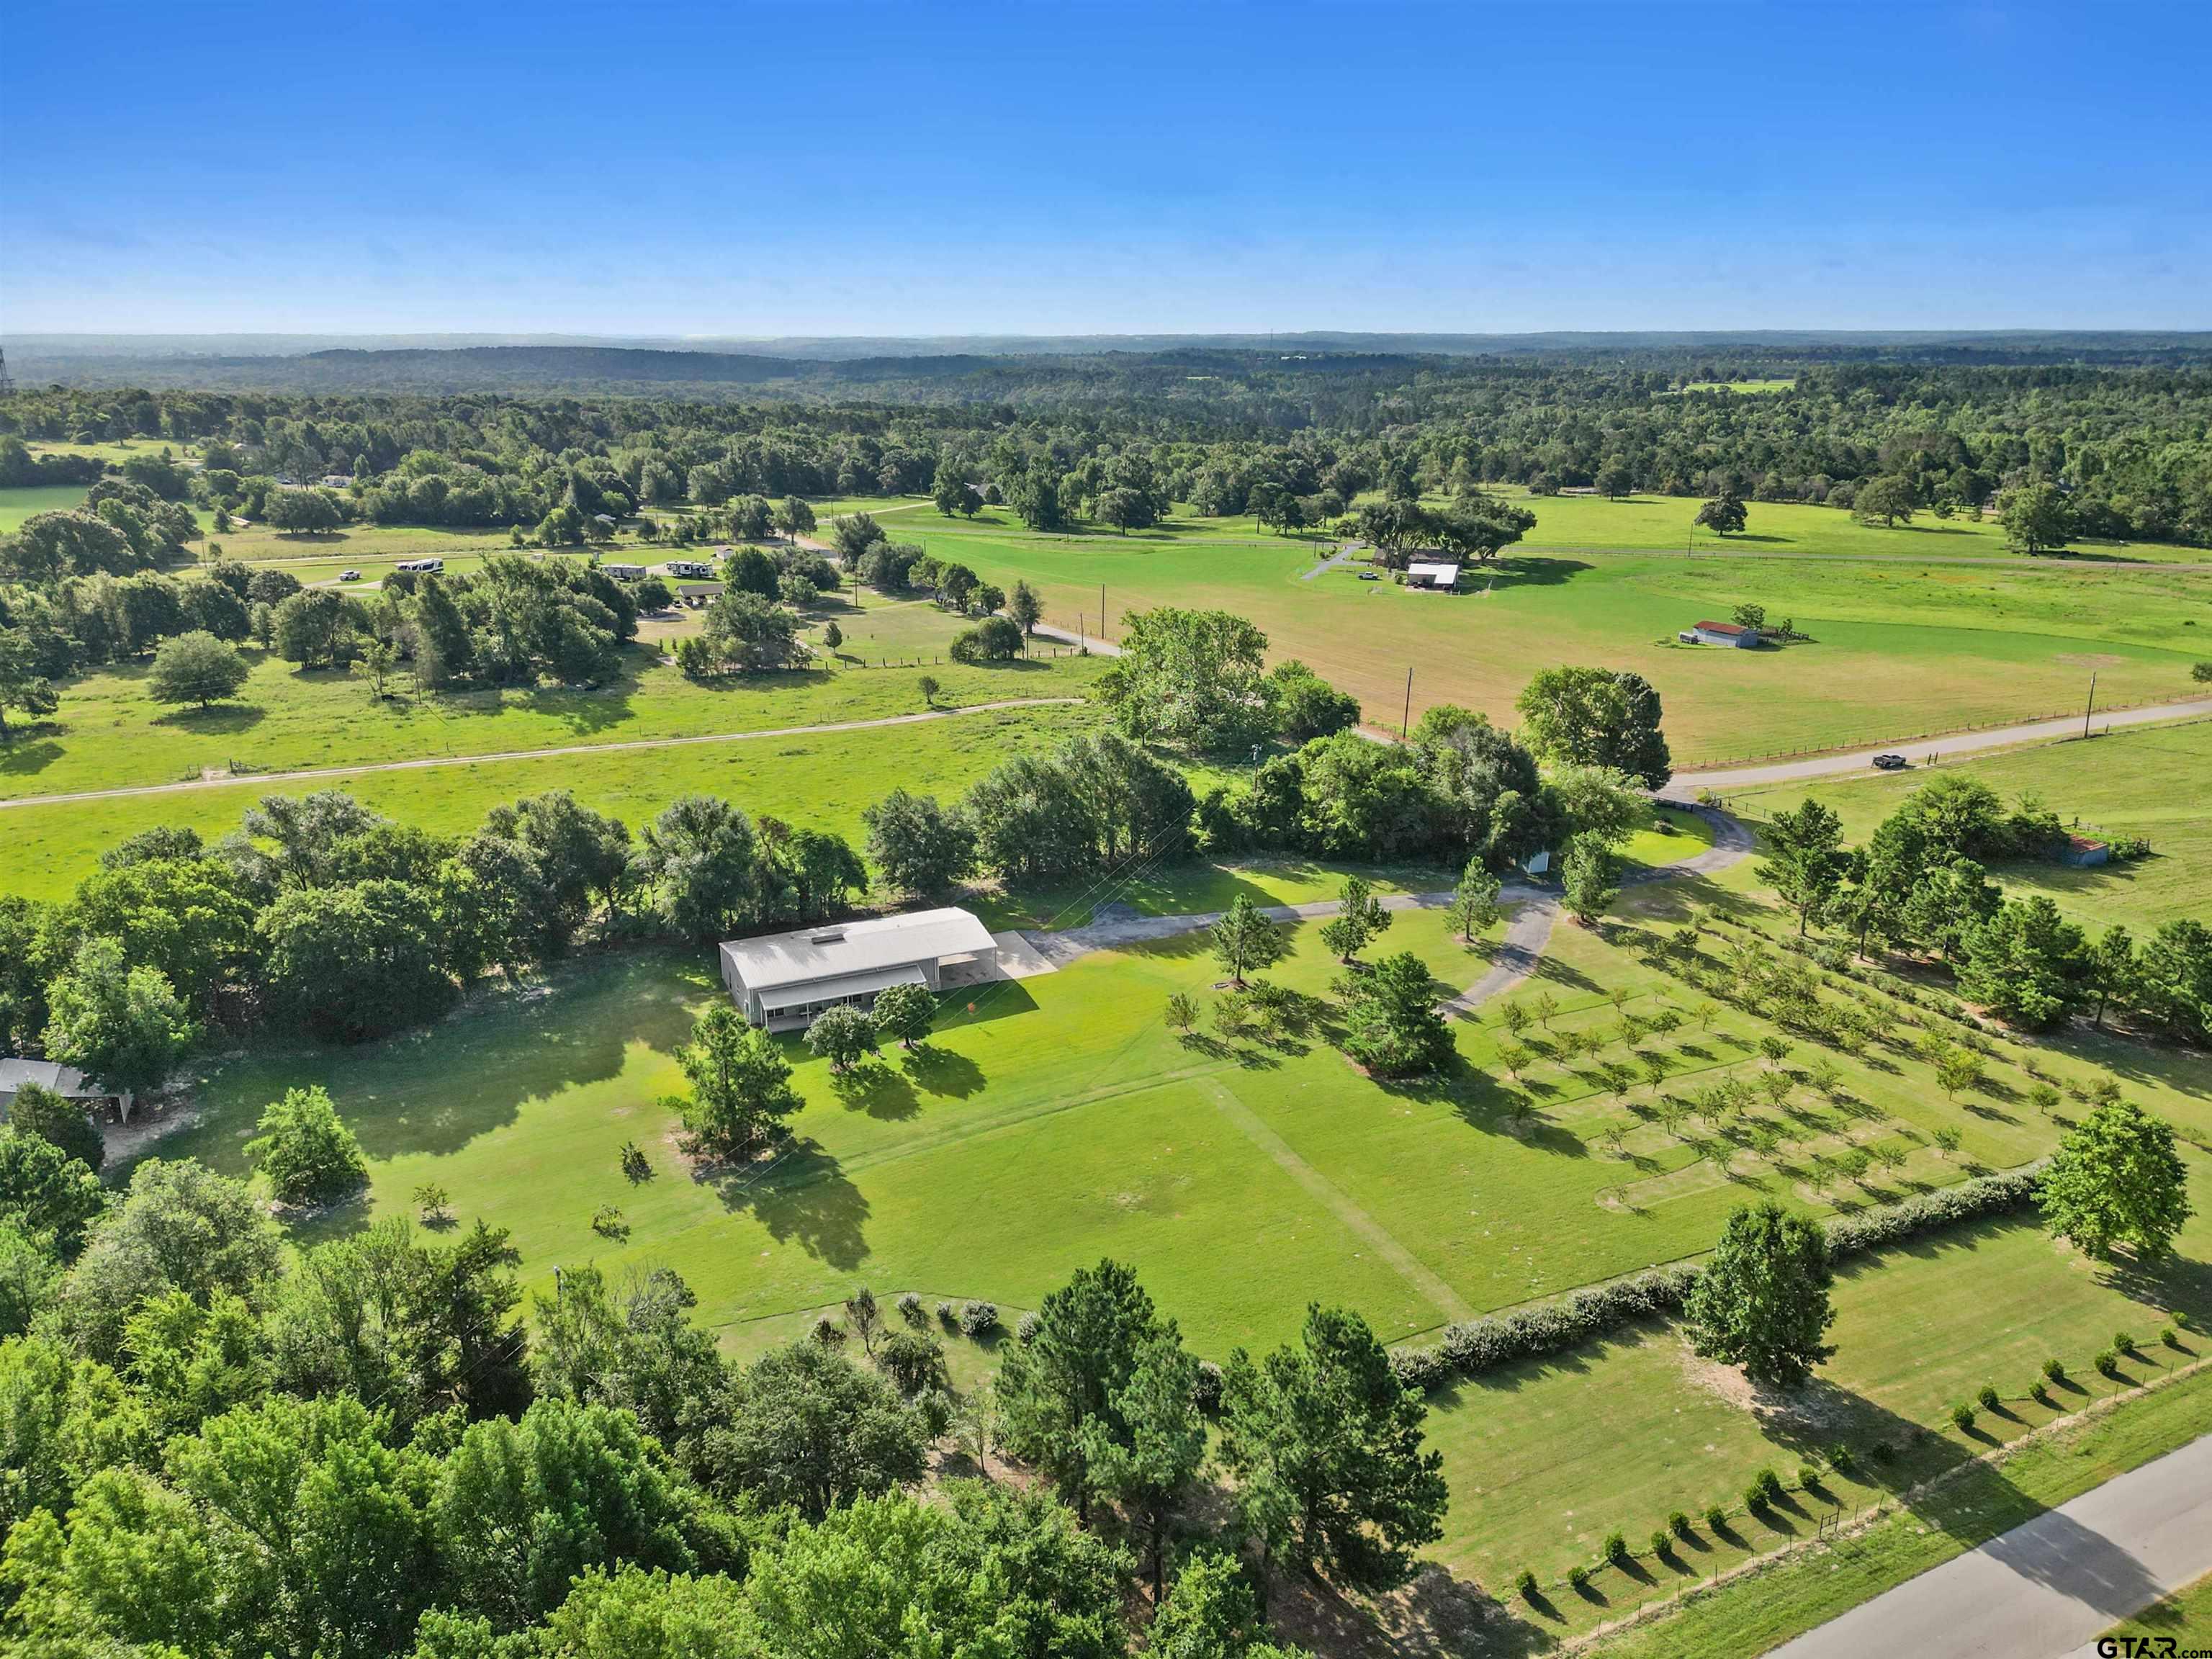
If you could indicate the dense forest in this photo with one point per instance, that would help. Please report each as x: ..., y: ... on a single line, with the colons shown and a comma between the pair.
x: 607, y: 430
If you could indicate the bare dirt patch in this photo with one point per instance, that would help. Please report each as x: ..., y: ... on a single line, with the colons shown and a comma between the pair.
x: 2089, y: 658
x: 1814, y: 1407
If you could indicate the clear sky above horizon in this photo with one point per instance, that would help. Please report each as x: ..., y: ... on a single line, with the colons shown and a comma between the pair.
x: 819, y: 168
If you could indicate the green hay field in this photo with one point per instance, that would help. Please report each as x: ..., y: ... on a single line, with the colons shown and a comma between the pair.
x: 1899, y: 645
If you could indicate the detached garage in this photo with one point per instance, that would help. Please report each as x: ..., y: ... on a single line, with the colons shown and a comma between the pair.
x: 782, y: 981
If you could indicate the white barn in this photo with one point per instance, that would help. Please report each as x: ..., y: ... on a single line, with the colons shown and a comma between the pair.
x: 1432, y: 572
x: 782, y: 981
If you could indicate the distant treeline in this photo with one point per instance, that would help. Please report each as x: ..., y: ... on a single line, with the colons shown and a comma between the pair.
x: 2127, y: 443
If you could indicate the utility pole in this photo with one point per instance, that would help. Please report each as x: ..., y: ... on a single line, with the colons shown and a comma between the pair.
x: 2093, y: 702
x: 1405, y: 720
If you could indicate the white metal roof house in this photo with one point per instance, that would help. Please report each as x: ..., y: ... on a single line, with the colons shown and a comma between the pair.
x: 63, y: 1080
x: 784, y: 979
x: 1432, y: 572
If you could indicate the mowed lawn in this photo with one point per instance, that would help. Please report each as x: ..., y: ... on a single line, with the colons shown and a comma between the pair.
x: 109, y: 732
x: 1545, y: 1459
x: 2150, y: 781
x: 1058, y: 1118
x: 1899, y: 646
x: 817, y: 780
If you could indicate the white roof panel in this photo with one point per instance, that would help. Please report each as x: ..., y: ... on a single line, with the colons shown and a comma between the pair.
x: 840, y: 949
x: 1433, y: 570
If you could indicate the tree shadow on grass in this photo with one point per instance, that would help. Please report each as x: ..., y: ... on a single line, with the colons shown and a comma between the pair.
x: 220, y: 720
x: 802, y: 1195
x: 28, y: 749
x: 942, y: 1071
x: 874, y: 1085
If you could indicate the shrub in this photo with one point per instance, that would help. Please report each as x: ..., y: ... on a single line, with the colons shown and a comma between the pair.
x: 1679, y: 1524
x: 2041, y: 1395
x: 1578, y: 1577
x: 2054, y: 1370
x: 2122, y: 1343
x: 1841, y: 1458
x: 1525, y: 1586
x: 1768, y: 1485
x: 947, y: 1314
x: 827, y: 1331
x: 2108, y: 1365
x: 909, y: 1306
x: 978, y: 1319
x: 1754, y: 1498
x: 1026, y: 1329
x: 306, y: 1151
x: 1617, y: 1550
x: 607, y: 1222
x: 1808, y: 1477
x: 1715, y: 1518
x: 1962, y: 1417
x: 2167, y: 1336
x: 1663, y: 1544
x: 1883, y: 1451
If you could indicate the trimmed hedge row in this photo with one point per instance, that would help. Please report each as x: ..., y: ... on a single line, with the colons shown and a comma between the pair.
x: 1477, y: 1345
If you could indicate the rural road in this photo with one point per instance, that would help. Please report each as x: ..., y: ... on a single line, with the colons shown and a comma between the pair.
x: 1959, y: 743
x: 2048, y: 1587
x: 1069, y: 637
x: 425, y: 762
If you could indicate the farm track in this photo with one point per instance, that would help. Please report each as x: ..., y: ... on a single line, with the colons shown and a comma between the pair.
x: 425, y: 762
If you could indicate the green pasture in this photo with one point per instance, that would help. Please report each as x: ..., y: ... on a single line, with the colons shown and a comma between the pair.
x: 109, y: 732
x: 19, y: 502
x: 1750, y: 388
x: 820, y: 780
x: 1896, y: 648
x: 2151, y: 781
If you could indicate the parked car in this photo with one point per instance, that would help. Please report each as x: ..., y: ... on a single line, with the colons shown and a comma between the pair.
x: 1890, y: 762
x: 348, y: 575
x: 1369, y: 576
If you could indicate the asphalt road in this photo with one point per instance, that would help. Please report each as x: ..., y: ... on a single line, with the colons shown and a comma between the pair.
x: 2051, y: 1585
x: 1959, y: 743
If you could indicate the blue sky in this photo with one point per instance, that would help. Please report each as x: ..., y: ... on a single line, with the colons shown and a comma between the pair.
x: 817, y: 168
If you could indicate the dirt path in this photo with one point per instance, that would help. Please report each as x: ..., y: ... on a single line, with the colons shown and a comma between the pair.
x: 425, y: 762
x: 1340, y: 1204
